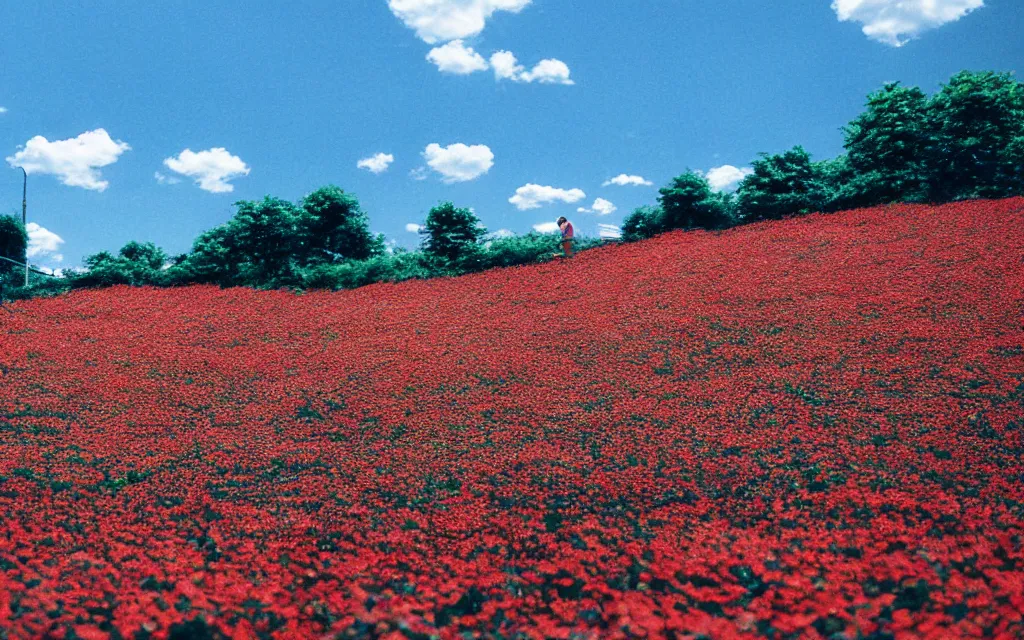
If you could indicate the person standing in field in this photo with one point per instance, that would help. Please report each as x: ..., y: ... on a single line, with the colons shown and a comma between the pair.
x: 567, y: 236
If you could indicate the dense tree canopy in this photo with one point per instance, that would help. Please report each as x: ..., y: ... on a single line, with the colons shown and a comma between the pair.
x: 451, y: 233
x: 13, y: 244
x: 688, y: 203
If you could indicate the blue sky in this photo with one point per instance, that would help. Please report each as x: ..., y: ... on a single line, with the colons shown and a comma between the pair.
x: 280, y: 98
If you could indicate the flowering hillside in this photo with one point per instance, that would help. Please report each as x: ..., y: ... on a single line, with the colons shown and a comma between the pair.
x: 810, y: 428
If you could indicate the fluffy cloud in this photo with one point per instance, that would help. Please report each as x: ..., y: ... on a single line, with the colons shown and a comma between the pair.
x: 894, y: 22
x: 502, y: 233
x: 533, y: 196
x: 419, y: 173
x: 546, y: 227
x: 211, y: 169
x: 623, y: 180
x: 76, y: 161
x: 412, y: 227
x: 3, y: 110
x: 455, y: 57
x: 601, y: 207
x: 727, y: 176
x: 377, y: 163
x: 162, y: 179
x: 609, y: 231
x: 548, y: 71
x: 43, y: 243
x: 443, y: 20
x: 459, y: 162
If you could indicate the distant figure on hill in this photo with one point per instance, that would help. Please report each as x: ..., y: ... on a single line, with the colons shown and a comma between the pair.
x: 566, y: 228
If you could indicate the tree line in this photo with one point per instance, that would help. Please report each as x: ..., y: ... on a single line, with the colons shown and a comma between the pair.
x: 966, y: 141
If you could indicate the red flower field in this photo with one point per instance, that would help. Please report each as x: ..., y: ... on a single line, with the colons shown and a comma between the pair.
x: 810, y: 428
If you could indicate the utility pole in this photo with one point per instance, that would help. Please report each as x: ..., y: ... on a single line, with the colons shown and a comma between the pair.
x: 24, y: 209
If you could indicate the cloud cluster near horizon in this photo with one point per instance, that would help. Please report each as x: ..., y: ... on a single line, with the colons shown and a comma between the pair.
x: 896, y: 22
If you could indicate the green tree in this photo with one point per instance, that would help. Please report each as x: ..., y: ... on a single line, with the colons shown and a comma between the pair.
x: 211, y: 261
x: 977, y: 124
x: 135, y: 264
x: 338, y: 227
x: 268, y: 242
x: 886, y: 146
x: 452, y: 235
x: 644, y: 222
x: 688, y: 202
x: 781, y: 185
x: 13, y: 245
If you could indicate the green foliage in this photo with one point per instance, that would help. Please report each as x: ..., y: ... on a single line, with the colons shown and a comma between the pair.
x: 887, y: 144
x: 527, y: 249
x: 689, y: 203
x: 13, y: 245
x: 135, y: 264
x: 781, y: 185
x: 976, y: 123
x: 337, y: 227
x: 268, y: 242
x: 358, y: 273
x: 452, y: 237
x: 644, y: 222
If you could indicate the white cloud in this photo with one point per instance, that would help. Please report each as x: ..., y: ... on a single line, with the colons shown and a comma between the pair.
x: 601, y: 207
x: 457, y: 58
x: 211, y: 169
x: 726, y: 176
x: 623, y: 180
x: 412, y: 227
x: 3, y: 110
x: 377, y: 163
x: 43, y: 243
x: 443, y: 20
x: 162, y: 179
x: 609, y: 231
x: 505, y: 66
x: 895, y: 22
x: 533, y: 196
x: 502, y: 233
x: 76, y: 161
x: 546, y: 227
x: 548, y: 71
x: 57, y: 273
x: 419, y: 173
x: 459, y: 162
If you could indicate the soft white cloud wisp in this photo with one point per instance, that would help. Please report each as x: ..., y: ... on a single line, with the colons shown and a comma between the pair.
x: 726, y: 176
x: 43, y: 243
x: 533, y: 196
x: 623, y: 180
x: 601, y: 207
x: 377, y: 163
x: 211, y: 169
x: 455, y: 57
x: 459, y: 162
x: 443, y: 20
x: 895, y: 22
x: 547, y: 71
x: 76, y: 161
